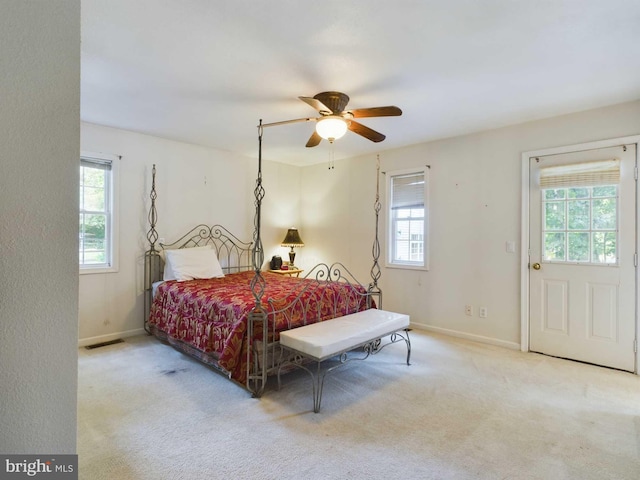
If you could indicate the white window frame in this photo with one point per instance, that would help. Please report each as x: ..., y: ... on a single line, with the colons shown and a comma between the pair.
x: 409, y: 265
x: 113, y: 229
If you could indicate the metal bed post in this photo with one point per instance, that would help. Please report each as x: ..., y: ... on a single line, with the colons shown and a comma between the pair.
x: 257, y: 369
x: 374, y: 289
x: 152, y: 262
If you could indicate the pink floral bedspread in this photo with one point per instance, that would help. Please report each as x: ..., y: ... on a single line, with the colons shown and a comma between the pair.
x: 211, y: 315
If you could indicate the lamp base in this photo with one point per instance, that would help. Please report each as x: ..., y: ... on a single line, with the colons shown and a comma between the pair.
x: 292, y: 257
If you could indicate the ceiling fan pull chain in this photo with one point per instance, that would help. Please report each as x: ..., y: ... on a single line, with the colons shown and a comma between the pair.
x: 331, y: 157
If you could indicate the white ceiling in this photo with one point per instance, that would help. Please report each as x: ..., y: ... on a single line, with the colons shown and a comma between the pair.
x: 206, y: 71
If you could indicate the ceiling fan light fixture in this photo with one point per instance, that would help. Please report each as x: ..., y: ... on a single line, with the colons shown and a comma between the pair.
x: 331, y: 127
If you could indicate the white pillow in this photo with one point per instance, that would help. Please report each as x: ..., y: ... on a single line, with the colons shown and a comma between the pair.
x: 191, y: 263
x: 168, y: 271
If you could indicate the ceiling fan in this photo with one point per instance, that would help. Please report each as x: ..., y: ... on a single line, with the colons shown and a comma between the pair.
x: 334, y: 120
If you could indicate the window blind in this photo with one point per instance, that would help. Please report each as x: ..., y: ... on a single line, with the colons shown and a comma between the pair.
x: 407, y: 191
x: 601, y: 172
x: 96, y: 163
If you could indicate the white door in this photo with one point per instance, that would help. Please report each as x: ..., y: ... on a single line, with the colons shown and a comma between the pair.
x: 582, y: 256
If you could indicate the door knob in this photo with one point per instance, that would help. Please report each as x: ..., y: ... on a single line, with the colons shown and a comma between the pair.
x: 536, y: 266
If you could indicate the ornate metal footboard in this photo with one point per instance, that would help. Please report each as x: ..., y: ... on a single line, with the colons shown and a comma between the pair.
x: 326, y: 292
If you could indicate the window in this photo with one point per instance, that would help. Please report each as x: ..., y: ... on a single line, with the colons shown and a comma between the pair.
x: 580, y: 213
x: 98, y: 220
x: 407, y: 219
x: 581, y: 224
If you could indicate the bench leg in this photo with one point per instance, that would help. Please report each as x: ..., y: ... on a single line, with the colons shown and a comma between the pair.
x: 396, y: 337
x: 317, y: 381
x: 408, y: 342
x: 317, y: 389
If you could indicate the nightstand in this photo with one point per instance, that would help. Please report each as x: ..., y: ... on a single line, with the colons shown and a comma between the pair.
x: 291, y: 272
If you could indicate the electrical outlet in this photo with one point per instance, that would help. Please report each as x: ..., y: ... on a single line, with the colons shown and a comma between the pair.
x: 483, y: 312
x: 468, y: 310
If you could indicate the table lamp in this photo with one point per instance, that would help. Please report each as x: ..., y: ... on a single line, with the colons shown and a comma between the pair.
x: 292, y: 239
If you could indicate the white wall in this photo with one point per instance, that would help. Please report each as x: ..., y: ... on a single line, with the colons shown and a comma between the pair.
x: 280, y: 208
x: 475, y: 208
x: 194, y: 185
x: 338, y: 220
x: 40, y: 136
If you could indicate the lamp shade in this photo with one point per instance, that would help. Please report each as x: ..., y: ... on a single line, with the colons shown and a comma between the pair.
x: 331, y: 127
x: 292, y: 239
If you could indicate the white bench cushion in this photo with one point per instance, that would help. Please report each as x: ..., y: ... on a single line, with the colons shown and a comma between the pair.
x: 325, y: 339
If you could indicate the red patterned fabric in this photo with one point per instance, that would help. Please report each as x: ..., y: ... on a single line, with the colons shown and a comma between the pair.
x: 211, y: 315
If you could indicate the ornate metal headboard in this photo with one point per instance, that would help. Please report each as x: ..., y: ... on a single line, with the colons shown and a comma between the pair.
x: 234, y: 254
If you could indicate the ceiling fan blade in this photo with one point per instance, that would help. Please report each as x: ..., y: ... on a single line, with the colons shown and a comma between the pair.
x: 366, y: 132
x: 390, y: 111
x: 317, y: 104
x: 314, y: 140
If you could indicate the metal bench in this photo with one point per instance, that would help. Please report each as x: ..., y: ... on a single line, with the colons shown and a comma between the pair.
x: 339, y: 336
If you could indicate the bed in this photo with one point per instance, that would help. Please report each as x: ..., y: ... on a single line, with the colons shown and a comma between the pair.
x: 210, y: 318
x: 230, y: 320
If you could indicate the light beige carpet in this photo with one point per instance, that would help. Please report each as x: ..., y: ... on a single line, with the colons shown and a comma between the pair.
x: 462, y: 410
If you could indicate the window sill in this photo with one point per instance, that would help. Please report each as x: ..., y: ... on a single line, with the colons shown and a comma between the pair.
x: 404, y: 266
x: 93, y: 271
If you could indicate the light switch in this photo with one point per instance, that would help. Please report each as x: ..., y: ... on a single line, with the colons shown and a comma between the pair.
x: 511, y: 246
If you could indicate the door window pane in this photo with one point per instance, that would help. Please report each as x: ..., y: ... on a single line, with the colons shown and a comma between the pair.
x: 552, y: 194
x: 607, y: 191
x: 604, y: 247
x: 578, y: 192
x: 554, y: 216
x: 578, y: 211
x: 580, y: 224
x: 578, y: 244
x: 604, y: 214
x: 554, y: 246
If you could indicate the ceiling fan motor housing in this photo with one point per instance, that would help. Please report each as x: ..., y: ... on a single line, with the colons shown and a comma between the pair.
x: 336, y: 101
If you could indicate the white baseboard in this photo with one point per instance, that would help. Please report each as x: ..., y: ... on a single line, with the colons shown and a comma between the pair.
x: 467, y: 336
x: 83, y: 342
